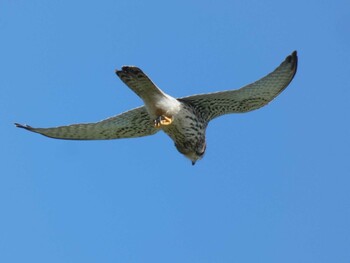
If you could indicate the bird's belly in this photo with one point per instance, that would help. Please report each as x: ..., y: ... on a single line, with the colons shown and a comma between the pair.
x: 185, y: 126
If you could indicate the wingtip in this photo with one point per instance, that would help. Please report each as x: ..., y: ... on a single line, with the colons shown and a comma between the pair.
x: 292, y: 57
x: 27, y: 127
x: 117, y: 71
x: 293, y: 60
x: 120, y: 71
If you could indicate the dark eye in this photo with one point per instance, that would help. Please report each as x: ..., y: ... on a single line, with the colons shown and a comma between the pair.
x: 200, y: 154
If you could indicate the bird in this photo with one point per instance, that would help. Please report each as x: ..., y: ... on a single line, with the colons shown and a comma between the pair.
x: 184, y: 119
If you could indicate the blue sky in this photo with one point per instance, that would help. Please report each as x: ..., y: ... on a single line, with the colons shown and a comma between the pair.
x: 274, y: 183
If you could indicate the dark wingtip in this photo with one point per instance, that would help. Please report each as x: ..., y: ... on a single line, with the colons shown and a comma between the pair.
x: 117, y: 71
x: 293, y: 60
x: 292, y: 57
x: 27, y: 127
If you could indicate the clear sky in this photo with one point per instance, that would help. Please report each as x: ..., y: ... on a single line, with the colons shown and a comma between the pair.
x: 274, y: 183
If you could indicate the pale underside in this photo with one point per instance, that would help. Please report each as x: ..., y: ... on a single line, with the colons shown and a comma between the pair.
x: 139, y: 122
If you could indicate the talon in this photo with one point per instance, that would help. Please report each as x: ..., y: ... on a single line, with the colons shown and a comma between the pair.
x: 166, y: 120
x: 157, y: 123
x: 162, y: 120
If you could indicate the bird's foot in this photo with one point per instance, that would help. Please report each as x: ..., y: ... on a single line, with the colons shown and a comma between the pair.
x: 162, y: 120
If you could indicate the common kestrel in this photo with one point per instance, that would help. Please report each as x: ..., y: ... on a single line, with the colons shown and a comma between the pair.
x: 184, y: 119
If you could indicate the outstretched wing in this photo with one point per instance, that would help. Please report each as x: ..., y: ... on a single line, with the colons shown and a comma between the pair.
x: 248, y: 98
x: 130, y: 124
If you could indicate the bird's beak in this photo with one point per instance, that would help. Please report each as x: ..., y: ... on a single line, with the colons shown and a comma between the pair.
x: 193, y: 162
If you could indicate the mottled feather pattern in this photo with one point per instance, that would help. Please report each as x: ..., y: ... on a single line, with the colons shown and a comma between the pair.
x: 187, y: 117
x: 139, y: 82
x: 130, y: 124
x: 248, y: 98
x: 188, y: 129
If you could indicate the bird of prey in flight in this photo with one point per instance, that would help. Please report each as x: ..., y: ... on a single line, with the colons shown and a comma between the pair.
x: 184, y: 119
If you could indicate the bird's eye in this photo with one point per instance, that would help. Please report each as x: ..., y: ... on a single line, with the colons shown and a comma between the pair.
x: 200, y: 154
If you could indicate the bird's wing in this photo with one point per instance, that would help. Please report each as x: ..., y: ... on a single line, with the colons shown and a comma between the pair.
x: 248, y: 98
x: 130, y: 124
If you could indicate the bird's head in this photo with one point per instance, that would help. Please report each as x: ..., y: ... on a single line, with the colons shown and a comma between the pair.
x: 192, y: 150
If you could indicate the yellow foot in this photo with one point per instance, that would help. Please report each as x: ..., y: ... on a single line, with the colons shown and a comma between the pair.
x: 162, y: 120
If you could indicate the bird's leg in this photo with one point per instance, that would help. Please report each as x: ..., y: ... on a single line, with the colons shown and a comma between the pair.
x: 162, y: 120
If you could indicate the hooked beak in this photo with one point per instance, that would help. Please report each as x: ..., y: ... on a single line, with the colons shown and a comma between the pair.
x: 193, y: 162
